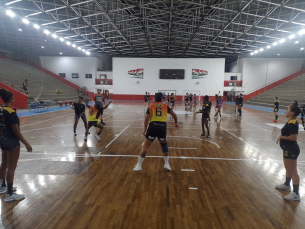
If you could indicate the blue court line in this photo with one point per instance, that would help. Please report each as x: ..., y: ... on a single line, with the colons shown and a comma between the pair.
x: 259, y: 108
x: 51, y: 109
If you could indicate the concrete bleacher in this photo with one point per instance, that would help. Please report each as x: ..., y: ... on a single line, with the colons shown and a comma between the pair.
x: 287, y: 93
x: 39, y: 82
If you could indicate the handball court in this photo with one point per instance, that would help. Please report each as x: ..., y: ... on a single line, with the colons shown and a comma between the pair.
x: 227, y: 181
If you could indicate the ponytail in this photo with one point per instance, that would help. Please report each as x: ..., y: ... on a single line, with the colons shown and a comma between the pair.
x: 297, y: 111
x: 6, y: 95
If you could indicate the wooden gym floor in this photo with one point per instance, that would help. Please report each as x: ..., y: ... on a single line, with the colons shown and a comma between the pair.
x: 225, y: 182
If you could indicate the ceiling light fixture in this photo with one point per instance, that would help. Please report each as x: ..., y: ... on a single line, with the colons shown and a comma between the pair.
x: 54, y: 35
x: 88, y: 53
x: 20, y: 29
x: 261, y: 50
x: 10, y: 13
x: 25, y: 21
x: 36, y: 26
x: 274, y: 43
x: 268, y: 47
x: 83, y: 50
x: 291, y: 36
x: 255, y: 51
x: 46, y: 32
x: 301, y: 32
x: 278, y: 54
x: 297, y: 42
x: 42, y: 47
x: 302, y: 48
x: 79, y: 48
x: 60, y: 53
x: 68, y: 42
x: 251, y: 53
x: 61, y: 39
x: 282, y: 41
x: 73, y: 45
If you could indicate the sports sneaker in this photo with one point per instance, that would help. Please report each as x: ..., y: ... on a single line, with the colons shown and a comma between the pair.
x: 167, y: 167
x: 14, y: 196
x: 75, y: 134
x: 274, y: 121
x: 98, y: 137
x: 284, y: 187
x: 4, y: 189
x: 137, y: 168
x: 103, y: 123
x: 209, y: 136
x: 292, y: 196
x: 202, y: 135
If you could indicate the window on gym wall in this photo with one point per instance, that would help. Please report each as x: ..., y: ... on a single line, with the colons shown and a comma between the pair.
x: 63, y: 75
x: 88, y: 76
x: 233, y: 77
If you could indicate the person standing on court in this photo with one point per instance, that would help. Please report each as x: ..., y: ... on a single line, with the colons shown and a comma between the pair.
x: 291, y: 151
x: 10, y: 146
x: 156, y: 116
x: 25, y: 85
x: 276, y: 108
x: 99, y: 98
x: 206, y: 108
x: 79, y: 108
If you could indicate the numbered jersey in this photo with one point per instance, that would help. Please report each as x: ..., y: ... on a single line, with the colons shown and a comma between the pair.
x: 158, y: 112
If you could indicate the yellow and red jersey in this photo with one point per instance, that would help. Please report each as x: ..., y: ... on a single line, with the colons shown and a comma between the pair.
x: 92, y: 116
x: 158, y: 112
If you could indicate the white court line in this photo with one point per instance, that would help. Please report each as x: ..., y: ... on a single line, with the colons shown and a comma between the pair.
x: 173, y: 157
x: 44, y: 120
x: 193, y: 188
x: 194, y: 138
x: 180, y: 148
x: 117, y: 112
x: 234, y: 135
x: 187, y: 170
x: 115, y: 138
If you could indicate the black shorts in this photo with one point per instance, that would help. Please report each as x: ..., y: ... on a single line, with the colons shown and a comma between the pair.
x: 156, y: 130
x: 78, y: 117
x: 172, y: 103
x: 291, y: 151
x: 93, y: 123
x: 275, y: 110
x: 205, y: 117
x: 9, y: 144
x: 145, y: 101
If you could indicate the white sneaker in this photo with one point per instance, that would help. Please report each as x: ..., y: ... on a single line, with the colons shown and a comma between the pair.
x: 137, y: 168
x: 284, y: 187
x: 292, y: 196
x: 97, y: 137
x: 4, y: 190
x: 14, y: 196
x: 166, y: 166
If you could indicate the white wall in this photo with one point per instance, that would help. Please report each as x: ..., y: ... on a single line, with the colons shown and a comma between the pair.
x: 124, y: 84
x: 258, y: 72
x: 108, y: 73
x: 227, y: 76
x: 80, y: 65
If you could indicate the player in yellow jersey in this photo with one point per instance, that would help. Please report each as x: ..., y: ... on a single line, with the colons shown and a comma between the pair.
x: 156, y: 116
x: 94, y: 118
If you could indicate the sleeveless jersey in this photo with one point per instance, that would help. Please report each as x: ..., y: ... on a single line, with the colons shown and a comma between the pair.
x: 158, y: 112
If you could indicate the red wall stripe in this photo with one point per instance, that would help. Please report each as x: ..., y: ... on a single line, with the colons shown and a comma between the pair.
x: 20, y: 100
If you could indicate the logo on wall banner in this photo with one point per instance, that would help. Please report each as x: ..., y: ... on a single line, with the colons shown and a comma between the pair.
x: 136, y: 73
x: 198, y: 73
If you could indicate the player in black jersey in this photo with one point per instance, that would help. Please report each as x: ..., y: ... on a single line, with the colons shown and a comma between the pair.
x: 240, y: 104
x: 291, y: 151
x: 79, y: 108
x: 276, y: 108
x: 10, y: 146
x: 172, y: 100
x: 236, y: 102
x: 168, y: 98
x: 145, y: 100
x: 206, y: 108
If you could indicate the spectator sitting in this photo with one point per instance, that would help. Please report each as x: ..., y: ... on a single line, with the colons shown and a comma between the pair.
x: 25, y: 85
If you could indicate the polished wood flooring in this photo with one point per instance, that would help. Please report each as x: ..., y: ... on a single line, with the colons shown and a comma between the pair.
x: 225, y: 182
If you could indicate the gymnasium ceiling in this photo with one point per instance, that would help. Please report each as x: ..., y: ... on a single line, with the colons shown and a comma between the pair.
x: 161, y: 28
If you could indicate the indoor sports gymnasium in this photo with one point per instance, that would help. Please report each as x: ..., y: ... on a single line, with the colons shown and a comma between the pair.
x: 152, y: 114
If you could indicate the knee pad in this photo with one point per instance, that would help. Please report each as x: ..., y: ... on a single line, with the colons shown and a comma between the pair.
x: 164, y: 147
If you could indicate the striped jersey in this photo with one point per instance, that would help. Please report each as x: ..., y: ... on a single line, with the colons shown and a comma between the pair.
x: 158, y: 112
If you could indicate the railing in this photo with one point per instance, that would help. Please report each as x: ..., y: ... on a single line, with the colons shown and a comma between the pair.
x: 276, y: 80
x: 14, y: 87
x: 71, y: 81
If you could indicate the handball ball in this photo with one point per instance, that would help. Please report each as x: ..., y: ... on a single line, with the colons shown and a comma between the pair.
x: 58, y: 91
